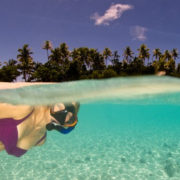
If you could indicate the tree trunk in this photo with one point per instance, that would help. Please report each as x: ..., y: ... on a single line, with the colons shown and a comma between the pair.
x: 47, y: 55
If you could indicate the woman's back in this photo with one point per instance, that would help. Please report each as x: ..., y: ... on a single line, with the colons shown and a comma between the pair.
x: 15, y: 111
x: 8, y: 111
x: 21, y: 127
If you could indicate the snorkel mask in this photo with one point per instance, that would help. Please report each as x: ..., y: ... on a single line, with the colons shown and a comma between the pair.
x: 60, y: 116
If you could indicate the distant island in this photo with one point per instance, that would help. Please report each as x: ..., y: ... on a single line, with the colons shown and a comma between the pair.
x: 88, y: 63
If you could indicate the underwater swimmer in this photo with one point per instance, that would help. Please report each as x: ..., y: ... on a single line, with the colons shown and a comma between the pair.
x: 23, y: 127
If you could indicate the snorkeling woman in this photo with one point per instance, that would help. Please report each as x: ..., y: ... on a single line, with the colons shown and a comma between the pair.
x: 23, y: 127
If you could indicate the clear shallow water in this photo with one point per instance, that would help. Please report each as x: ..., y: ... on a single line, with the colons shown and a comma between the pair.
x: 147, y: 89
x: 113, y: 140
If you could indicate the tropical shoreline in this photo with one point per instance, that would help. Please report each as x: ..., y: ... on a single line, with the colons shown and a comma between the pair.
x: 81, y: 63
x: 14, y: 85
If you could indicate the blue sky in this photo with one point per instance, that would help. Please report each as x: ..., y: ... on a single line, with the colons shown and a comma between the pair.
x: 92, y: 23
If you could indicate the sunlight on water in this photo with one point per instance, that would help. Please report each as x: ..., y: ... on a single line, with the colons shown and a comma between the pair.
x: 129, y: 128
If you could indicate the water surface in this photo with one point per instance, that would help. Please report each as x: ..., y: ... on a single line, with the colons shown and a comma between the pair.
x: 129, y: 128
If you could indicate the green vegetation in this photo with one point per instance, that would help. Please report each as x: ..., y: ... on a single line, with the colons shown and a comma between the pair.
x: 87, y: 63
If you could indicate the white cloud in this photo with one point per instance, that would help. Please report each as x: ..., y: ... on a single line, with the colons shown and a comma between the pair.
x: 138, y: 33
x: 114, y: 12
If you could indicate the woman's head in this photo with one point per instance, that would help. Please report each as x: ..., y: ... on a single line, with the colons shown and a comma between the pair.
x: 64, y: 115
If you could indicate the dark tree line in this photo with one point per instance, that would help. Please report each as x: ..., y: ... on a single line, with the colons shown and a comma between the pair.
x: 87, y: 63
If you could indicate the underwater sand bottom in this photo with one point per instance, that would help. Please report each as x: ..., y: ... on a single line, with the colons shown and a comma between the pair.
x: 98, y: 156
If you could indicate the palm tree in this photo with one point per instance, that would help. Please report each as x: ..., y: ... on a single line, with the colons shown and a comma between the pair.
x: 106, y: 54
x: 175, y: 53
x: 84, y: 56
x: 26, y: 61
x: 9, y: 72
x: 64, y: 52
x: 75, y: 54
x: 116, y: 57
x: 92, y: 57
x: 167, y: 55
x: 96, y: 59
x: 55, y: 56
x: 116, y: 64
x: 143, y: 52
x: 137, y: 65
x: 47, y: 46
x: 128, y: 54
x: 157, y: 53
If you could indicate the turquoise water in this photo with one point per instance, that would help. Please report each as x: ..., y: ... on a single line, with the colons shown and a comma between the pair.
x: 130, y: 136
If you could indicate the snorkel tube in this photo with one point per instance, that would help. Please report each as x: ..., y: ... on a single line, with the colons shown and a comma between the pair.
x: 61, y: 129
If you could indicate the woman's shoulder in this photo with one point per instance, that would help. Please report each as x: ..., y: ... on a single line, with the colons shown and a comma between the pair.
x: 14, y: 111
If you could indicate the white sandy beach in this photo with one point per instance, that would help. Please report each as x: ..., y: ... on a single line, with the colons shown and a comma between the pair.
x: 12, y: 85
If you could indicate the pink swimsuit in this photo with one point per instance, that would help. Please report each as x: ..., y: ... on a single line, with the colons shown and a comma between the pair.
x: 9, y: 135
